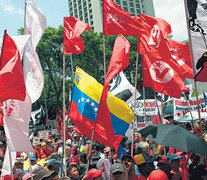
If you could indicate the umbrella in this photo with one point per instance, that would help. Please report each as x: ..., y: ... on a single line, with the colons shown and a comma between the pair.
x: 187, y: 116
x: 175, y: 136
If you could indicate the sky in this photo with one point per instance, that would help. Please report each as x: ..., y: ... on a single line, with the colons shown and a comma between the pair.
x: 12, y: 15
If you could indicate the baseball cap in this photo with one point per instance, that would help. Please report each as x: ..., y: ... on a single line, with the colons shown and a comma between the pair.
x: 157, y: 175
x: 27, y: 176
x: 32, y: 157
x: 117, y: 167
x: 19, y: 160
x: 172, y: 156
x: 8, y: 177
x: 73, y: 160
x: 52, y: 162
x: 93, y: 173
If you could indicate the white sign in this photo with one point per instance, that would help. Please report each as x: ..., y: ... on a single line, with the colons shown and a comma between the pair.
x: 43, y: 134
x: 36, y: 141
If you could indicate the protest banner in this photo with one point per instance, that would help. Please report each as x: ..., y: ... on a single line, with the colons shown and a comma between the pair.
x: 43, y: 134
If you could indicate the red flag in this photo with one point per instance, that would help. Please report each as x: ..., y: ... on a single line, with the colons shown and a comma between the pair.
x: 119, y: 21
x: 165, y: 76
x: 58, y: 123
x: 180, y: 53
x: 73, y: 28
x: 119, y: 61
x: 1, y: 114
x: 12, y: 84
x: 153, y: 41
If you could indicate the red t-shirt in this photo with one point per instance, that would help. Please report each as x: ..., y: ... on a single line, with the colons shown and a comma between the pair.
x: 44, y: 153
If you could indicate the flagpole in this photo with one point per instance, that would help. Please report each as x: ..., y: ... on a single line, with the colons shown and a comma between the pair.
x: 89, y: 154
x: 189, y: 110
x: 64, y: 114
x: 10, y: 160
x: 71, y: 62
x: 157, y: 106
x: 145, y: 116
x: 104, y: 55
x: 162, y: 118
x: 135, y: 97
x: 30, y: 166
x: 192, y: 60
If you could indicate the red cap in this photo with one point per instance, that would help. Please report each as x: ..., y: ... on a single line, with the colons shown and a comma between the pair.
x: 93, y: 173
x: 73, y: 160
x: 157, y: 175
x: 8, y: 177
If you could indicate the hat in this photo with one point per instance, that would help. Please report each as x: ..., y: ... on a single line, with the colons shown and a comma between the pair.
x: 68, y: 142
x: 27, y: 176
x: 52, y: 162
x: 83, y: 149
x: 43, y: 144
x: 59, y: 141
x: 19, y: 160
x: 157, y: 157
x: 73, y: 160
x: 36, y: 168
x: 172, y: 156
x: 93, y: 173
x: 117, y: 167
x: 49, y: 141
x: 125, y: 156
x: 32, y: 157
x: 139, y: 159
x: 43, y: 174
x: 8, y: 177
x: 157, y: 175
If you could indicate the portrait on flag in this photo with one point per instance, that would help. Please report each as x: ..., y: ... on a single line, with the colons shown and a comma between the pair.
x: 197, y: 14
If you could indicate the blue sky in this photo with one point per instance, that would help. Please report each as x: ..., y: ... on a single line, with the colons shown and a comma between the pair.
x: 12, y: 15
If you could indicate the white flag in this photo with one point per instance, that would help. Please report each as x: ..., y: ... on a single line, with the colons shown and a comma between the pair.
x: 16, y: 124
x: 197, y: 15
x: 20, y: 42
x: 122, y: 89
x: 6, y: 164
x: 36, y: 116
x: 35, y: 24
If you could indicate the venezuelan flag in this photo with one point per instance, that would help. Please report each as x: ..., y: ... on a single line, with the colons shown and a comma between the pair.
x: 85, y: 99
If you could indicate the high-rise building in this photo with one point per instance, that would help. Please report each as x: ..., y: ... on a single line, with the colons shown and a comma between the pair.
x: 90, y: 11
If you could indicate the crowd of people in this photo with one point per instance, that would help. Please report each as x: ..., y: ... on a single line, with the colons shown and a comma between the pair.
x: 149, y: 161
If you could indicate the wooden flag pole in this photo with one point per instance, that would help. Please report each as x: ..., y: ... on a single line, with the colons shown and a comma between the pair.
x: 157, y: 106
x: 10, y: 160
x: 89, y: 154
x: 192, y: 60
x: 145, y: 115
x: 30, y: 166
x: 192, y: 122
x: 135, y: 97
x: 64, y: 115
x: 71, y: 62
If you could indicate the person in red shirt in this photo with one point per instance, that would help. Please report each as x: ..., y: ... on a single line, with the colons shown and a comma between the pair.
x: 44, y: 151
x: 37, y: 151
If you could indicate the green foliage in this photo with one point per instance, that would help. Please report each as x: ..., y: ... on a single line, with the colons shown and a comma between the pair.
x: 91, y: 61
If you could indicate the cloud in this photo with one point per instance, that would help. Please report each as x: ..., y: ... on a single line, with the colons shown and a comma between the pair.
x: 10, y: 8
x: 174, y: 13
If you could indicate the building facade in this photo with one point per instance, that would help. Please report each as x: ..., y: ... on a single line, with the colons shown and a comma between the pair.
x: 90, y: 11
